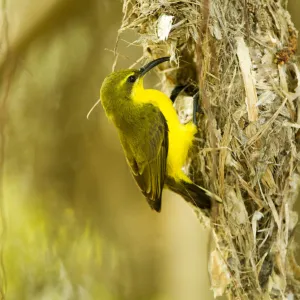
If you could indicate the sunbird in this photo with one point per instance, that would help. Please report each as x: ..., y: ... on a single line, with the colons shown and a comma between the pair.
x: 155, y: 143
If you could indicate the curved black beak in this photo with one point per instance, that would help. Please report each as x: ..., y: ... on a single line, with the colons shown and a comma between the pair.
x: 152, y: 64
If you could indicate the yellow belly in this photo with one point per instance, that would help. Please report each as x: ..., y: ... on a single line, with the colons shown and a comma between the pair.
x: 180, y: 140
x: 180, y: 136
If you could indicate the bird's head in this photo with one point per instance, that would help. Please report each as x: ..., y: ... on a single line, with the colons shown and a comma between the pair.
x: 117, y: 88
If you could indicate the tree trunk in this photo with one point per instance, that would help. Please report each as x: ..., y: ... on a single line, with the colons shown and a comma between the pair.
x: 241, y: 56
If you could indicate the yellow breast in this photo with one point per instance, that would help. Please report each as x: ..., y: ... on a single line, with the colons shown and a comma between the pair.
x: 180, y: 136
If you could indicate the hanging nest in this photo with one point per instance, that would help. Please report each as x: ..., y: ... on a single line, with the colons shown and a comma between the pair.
x: 241, y: 56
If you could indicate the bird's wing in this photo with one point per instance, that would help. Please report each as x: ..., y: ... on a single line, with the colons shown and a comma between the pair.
x: 149, y: 158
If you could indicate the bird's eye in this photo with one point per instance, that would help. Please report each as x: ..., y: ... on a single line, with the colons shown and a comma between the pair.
x: 131, y: 79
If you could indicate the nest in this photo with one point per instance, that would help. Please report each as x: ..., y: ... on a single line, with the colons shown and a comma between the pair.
x: 241, y: 56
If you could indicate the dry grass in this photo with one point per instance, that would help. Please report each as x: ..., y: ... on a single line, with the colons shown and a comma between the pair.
x: 242, y: 58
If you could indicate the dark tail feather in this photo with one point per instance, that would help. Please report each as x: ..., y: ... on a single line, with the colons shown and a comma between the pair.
x: 191, y: 193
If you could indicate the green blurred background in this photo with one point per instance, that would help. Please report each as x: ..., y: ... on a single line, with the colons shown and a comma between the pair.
x: 75, y: 225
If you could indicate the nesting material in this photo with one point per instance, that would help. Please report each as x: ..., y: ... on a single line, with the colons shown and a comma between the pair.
x: 164, y: 26
x: 241, y: 55
x: 246, y: 70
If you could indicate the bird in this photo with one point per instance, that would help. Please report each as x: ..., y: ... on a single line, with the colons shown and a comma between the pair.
x: 155, y: 142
